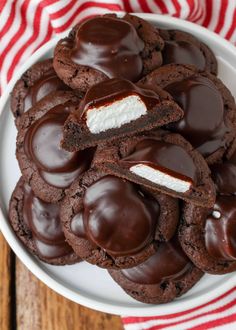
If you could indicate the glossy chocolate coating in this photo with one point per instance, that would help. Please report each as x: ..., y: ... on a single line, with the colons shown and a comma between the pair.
x: 109, y: 45
x: 224, y: 176
x: 203, y: 122
x: 117, y: 216
x: 163, y: 156
x: 57, y: 166
x: 220, y: 229
x: 113, y: 90
x: 168, y: 263
x: 183, y: 52
x: 77, y: 225
x: 42, y: 87
x: 44, y: 222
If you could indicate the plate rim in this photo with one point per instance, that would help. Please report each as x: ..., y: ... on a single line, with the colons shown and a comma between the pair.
x: 30, y: 262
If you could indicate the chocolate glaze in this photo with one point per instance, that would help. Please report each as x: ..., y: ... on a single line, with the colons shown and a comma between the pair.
x: 203, y: 122
x: 77, y: 225
x: 183, y: 52
x: 109, y: 45
x: 220, y: 233
x: 224, y: 176
x: 113, y: 90
x: 117, y: 216
x: 57, y: 166
x: 44, y: 222
x: 168, y: 263
x: 42, y: 87
x: 163, y: 156
x: 220, y: 226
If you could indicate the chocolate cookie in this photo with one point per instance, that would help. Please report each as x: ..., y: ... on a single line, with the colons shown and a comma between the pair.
x: 208, y: 236
x: 183, y: 48
x: 209, y: 123
x: 37, y: 82
x: 37, y: 224
x: 117, y: 108
x: 106, y: 47
x: 161, y: 161
x: 166, y: 275
x: 44, y: 164
x: 114, y: 223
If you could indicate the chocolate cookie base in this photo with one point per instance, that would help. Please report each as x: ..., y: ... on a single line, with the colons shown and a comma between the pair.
x: 191, y: 237
x: 23, y: 232
x: 82, y: 77
x: 23, y: 85
x: 160, y: 293
x: 108, y: 157
x: 88, y: 251
x: 30, y: 172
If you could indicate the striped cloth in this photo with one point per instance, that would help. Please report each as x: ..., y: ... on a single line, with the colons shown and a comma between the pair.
x: 217, y: 314
x: 25, y: 25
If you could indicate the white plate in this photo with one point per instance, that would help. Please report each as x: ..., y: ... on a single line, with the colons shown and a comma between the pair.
x: 84, y: 283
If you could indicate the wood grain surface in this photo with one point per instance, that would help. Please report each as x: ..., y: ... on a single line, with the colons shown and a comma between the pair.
x: 26, y: 303
x: 5, y: 284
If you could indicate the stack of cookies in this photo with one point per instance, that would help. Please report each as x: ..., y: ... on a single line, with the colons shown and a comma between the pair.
x: 126, y: 144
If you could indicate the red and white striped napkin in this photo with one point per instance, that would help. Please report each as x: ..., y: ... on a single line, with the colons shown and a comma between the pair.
x: 25, y: 25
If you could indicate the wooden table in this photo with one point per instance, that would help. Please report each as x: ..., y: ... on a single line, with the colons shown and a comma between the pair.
x: 27, y: 304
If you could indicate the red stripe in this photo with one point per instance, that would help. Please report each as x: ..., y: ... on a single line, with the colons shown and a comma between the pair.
x: 129, y: 320
x: 187, y: 319
x: 221, y: 20
x: 63, y: 11
x: 192, y: 9
x: 207, y: 19
x: 2, y: 4
x: 162, y: 6
x: 84, y: 6
x: 18, y: 34
x: 127, y: 6
x: 198, y: 9
x: 29, y: 42
x: 200, y: 15
x: 216, y: 323
x: 232, y: 27
x: 177, y: 8
x: 50, y: 2
x: 9, y: 21
x: 144, y: 6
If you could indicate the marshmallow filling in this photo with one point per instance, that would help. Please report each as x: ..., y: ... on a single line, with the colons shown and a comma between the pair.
x: 160, y: 178
x: 115, y: 114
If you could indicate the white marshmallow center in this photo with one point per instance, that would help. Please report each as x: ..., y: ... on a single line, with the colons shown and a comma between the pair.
x: 161, y: 178
x: 115, y: 114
